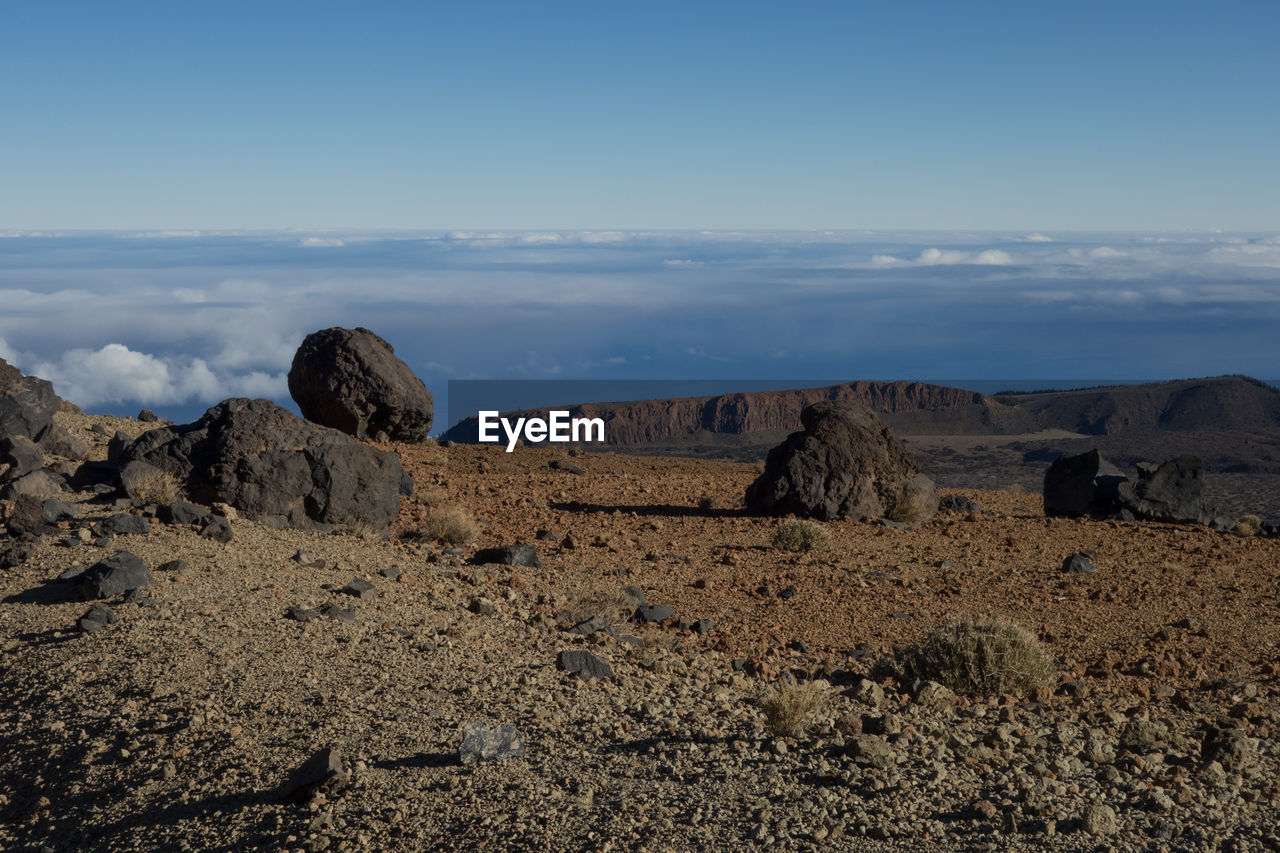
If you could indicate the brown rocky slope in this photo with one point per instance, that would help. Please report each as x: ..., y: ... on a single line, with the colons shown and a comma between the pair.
x: 170, y: 729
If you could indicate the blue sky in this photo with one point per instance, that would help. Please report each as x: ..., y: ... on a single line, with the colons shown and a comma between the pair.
x: 927, y: 115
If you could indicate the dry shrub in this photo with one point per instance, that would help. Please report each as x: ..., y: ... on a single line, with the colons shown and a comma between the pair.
x: 980, y: 657
x: 156, y: 487
x: 798, y: 534
x: 429, y: 496
x: 610, y: 606
x: 1248, y: 525
x: 917, y: 504
x: 788, y: 705
x: 706, y: 503
x: 452, y: 525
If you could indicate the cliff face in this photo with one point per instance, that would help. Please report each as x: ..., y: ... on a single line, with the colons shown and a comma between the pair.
x: 1230, y: 404
x: 900, y: 404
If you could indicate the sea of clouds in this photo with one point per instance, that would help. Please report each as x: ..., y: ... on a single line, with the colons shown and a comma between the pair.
x: 178, y: 320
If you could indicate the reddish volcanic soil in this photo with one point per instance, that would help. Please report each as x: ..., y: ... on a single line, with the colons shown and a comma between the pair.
x: 634, y: 520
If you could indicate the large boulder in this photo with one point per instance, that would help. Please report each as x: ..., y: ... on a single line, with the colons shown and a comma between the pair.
x: 1088, y: 485
x: 27, y: 404
x: 845, y: 464
x: 351, y: 380
x: 1085, y: 484
x: 1172, y: 491
x: 267, y: 462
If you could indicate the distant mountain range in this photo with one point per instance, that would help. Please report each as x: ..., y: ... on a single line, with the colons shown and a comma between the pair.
x: 966, y: 438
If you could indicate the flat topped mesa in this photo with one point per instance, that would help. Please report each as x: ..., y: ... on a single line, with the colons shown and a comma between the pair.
x: 351, y: 380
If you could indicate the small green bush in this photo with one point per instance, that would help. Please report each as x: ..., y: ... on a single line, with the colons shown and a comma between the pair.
x: 980, y: 657
x: 798, y: 534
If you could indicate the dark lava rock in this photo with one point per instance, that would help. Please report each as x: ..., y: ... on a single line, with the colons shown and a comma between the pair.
x: 322, y: 772
x: 583, y: 664
x: 351, y: 380
x: 360, y: 588
x: 265, y: 461
x: 1230, y: 747
x: 341, y: 614
x: 147, y: 416
x: 96, y: 618
x: 117, y: 574
x: 40, y: 483
x: 560, y: 465
x: 21, y: 455
x: 1078, y: 564
x: 518, y: 554
x: 390, y: 573
x: 308, y: 560
x: 57, y: 440
x: 55, y: 510
x: 650, y: 613
x: 178, y: 566
x: 587, y: 627
x: 181, y: 512
x: 703, y: 626
x: 845, y: 464
x: 958, y: 504
x: 27, y: 516
x: 1143, y: 736
x: 1172, y: 491
x: 302, y: 614
x: 1085, y: 484
x: 15, y: 553
x: 216, y: 528
x: 27, y: 404
x: 117, y: 445
x: 545, y: 535
x: 125, y: 524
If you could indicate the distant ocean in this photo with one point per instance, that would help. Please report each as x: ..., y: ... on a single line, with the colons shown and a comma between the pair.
x: 175, y: 321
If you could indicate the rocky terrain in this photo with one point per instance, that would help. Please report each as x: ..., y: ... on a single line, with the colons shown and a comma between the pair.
x: 965, y: 439
x: 210, y: 641
x: 175, y: 726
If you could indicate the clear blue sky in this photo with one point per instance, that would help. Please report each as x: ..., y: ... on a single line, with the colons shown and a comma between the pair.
x: 1081, y: 115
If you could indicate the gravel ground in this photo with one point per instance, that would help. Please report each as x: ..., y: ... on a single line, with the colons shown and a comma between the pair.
x: 172, y: 728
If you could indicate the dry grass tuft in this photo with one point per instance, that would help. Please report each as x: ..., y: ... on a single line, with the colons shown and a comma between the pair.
x: 981, y: 657
x: 610, y: 607
x: 451, y: 525
x: 798, y: 534
x: 1248, y: 525
x: 156, y: 487
x: 429, y: 496
x: 706, y: 503
x: 787, y: 706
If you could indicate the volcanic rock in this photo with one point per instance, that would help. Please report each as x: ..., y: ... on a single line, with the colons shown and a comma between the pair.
x: 21, y: 455
x: 118, y: 573
x: 351, y: 380
x: 519, y: 554
x: 265, y: 461
x: 323, y: 771
x: 58, y: 441
x: 27, y: 404
x: 482, y: 743
x: 583, y: 664
x: 1085, y: 484
x: 1172, y: 491
x: 844, y: 464
x: 39, y: 483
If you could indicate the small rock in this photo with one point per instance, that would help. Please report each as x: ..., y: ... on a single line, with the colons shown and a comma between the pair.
x: 583, y: 664
x: 545, y: 535
x: 302, y: 614
x: 482, y: 743
x: 391, y: 573
x: 179, y: 566
x: 117, y: 574
x: 519, y: 554
x: 1078, y: 564
x: 308, y: 560
x: 218, y: 529
x: 96, y: 618
x: 560, y: 465
x: 147, y: 416
x: 339, y: 613
x: 1099, y: 819
x: 360, y: 588
x: 651, y: 613
x: 482, y: 606
x: 323, y: 771
x: 871, y: 751
x: 124, y: 524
